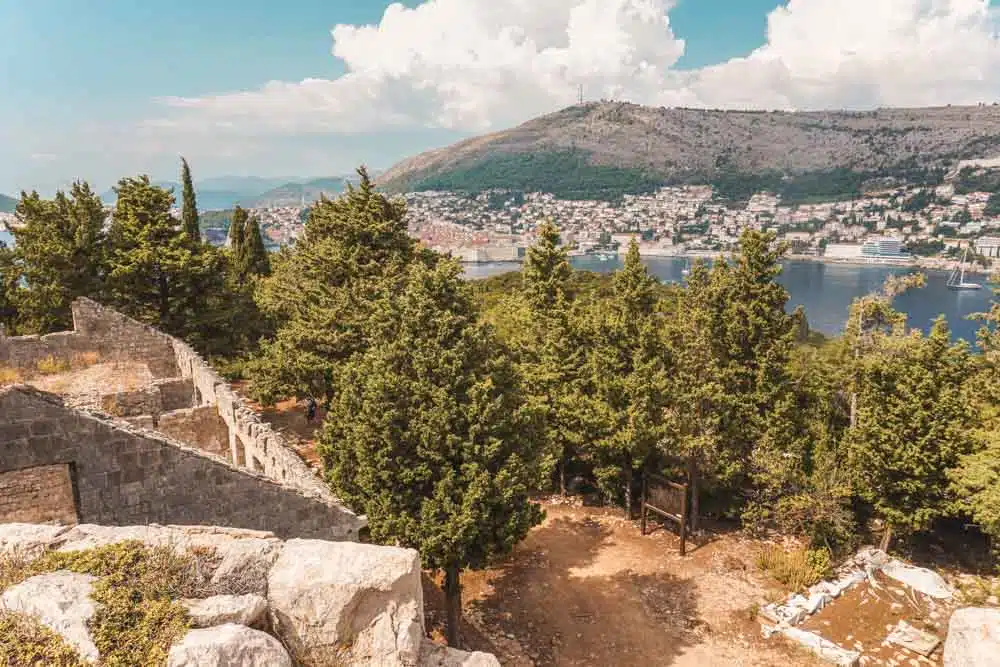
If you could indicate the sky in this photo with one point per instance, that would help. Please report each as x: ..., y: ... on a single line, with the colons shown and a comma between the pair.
x: 101, y: 89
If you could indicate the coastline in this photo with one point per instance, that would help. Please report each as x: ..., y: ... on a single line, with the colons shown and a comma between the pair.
x: 920, y: 263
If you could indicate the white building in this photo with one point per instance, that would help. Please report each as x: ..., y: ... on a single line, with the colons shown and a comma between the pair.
x: 843, y: 250
x: 989, y: 246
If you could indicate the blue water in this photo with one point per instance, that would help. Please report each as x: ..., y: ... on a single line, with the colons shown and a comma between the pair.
x: 6, y: 237
x: 825, y: 290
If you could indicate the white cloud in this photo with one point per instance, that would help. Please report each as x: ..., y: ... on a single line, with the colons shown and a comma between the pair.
x: 476, y: 65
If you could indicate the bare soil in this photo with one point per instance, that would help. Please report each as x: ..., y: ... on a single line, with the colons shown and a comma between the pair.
x: 585, y: 588
x: 864, y: 616
x: 83, y: 387
x: 288, y: 418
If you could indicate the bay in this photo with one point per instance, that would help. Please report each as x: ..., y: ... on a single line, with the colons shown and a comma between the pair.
x: 824, y: 290
x: 6, y: 237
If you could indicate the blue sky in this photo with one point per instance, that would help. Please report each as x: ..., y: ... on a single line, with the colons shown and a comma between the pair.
x: 99, y: 89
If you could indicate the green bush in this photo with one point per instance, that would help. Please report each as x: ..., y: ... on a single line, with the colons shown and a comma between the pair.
x: 796, y: 569
x: 137, y: 617
x: 25, y: 641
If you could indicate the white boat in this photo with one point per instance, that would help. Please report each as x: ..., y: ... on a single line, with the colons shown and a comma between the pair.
x: 956, y: 280
x: 687, y: 268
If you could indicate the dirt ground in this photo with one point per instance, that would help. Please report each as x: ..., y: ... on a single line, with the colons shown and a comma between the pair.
x: 863, y: 617
x: 289, y: 419
x: 585, y: 588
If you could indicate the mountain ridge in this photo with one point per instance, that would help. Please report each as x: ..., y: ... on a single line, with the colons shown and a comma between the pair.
x: 624, y: 147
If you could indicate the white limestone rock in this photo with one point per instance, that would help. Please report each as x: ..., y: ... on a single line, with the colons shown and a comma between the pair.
x: 244, y: 565
x: 228, y: 645
x: 436, y: 655
x: 222, y: 609
x: 919, y: 579
x: 61, y: 602
x: 348, y: 604
x: 29, y: 539
x: 973, y: 638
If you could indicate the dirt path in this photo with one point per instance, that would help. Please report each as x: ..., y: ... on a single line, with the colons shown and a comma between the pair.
x: 585, y: 588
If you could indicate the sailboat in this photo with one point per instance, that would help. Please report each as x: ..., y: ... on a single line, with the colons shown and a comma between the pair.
x: 956, y: 280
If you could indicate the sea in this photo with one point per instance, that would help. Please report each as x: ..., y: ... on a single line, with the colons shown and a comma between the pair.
x: 826, y: 290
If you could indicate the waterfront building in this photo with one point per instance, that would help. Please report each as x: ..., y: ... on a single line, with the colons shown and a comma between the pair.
x: 988, y: 246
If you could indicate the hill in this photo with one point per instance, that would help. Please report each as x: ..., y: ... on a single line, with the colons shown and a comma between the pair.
x: 606, y: 149
x: 7, y: 204
x: 293, y: 194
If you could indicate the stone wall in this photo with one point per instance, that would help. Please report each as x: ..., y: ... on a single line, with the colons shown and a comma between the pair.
x: 201, y: 426
x: 125, y: 476
x: 184, y: 380
x: 38, y: 494
x: 99, y: 330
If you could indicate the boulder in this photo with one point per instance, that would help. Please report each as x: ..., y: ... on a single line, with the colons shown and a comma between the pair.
x: 973, y: 638
x: 29, y: 539
x: 228, y: 645
x: 346, y: 603
x: 824, y: 648
x: 244, y: 565
x: 919, y: 579
x: 436, y: 655
x: 222, y: 609
x: 61, y: 602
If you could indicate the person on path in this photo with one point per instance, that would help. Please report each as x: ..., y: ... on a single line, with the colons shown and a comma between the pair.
x: 311, y: 409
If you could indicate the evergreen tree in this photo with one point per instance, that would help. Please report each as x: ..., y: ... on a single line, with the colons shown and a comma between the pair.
x: 189, y: 205
x: 914, y: 421
x: 59, y: 253
x: 429, y: 435
x: 8, y: 290
x: 159, y: 274
x: 551, y: 349
x: 628, y: 379
x: 354, y: 250
x: 237, y: 234
x: 253, y: 259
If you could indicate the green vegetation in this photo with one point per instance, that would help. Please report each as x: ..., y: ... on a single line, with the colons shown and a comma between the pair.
x: 925, y: 248
x: 970, y: 179
x: 565, y: 174
x: 189, y: 209
x: 25, y: 641
x: 138, y: 616
x: 798, y: 569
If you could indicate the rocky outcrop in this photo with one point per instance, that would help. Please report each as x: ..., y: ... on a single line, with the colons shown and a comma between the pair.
x: 222, y: 609
x: 61, y: 602
x: 355, y: 604
x: 435, y: 655
x: 973, y: 638
x: 228, y: 645
x: 332, y: 603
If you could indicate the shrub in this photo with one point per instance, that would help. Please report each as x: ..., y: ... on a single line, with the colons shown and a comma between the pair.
x: 9, y: 375
x: 25, y: 641
x: 50, y: 365
x: 796, y: 569
x: 137, y: 617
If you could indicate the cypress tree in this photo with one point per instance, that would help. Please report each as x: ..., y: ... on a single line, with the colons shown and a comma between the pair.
x: 429, y: 435
x: 237, y: 235
x: 158, y: 273
x: 189, y: 207
x: 59, y: 253
x: 628, y: 378
x: 254, y: 260
x: 551, y: 349
x: 353, y: 251
x: 914, y: 422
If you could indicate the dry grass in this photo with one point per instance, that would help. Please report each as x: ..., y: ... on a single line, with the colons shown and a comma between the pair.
x: 797, y: 569
x: 51, y: 366
x: 10, y: 376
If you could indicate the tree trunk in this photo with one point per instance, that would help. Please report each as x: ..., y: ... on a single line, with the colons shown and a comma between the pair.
x: 562, y: 477
x: 628, y: 491
x: 886, y: 538
x: 453, y: 603
x: 693, y: 489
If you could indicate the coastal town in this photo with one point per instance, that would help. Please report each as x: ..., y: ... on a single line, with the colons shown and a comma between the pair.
x: 930, y: 227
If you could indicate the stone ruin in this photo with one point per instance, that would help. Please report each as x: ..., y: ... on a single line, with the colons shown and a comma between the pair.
x: 175, y: 457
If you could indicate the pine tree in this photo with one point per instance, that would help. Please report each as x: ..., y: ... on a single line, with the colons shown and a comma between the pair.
x: 353, y: 250
x: 8, y: 290
x: 914, y: 421
x: 628, y: 378
x: 189, y: 207
x: 59, y: 253
x: 429, y: 435
x: 158, y: 273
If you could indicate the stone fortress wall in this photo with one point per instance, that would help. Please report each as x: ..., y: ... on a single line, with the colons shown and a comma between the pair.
x: 207, y: 443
